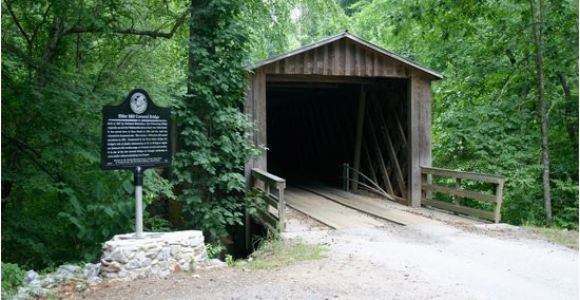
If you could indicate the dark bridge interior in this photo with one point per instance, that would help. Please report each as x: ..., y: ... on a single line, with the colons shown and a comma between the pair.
x: 311, y: 130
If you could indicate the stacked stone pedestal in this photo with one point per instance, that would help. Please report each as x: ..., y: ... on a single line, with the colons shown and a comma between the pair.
x: 156, y: 255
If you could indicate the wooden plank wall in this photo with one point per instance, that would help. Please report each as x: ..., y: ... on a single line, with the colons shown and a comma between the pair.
x: 340, y: 58
x: 255, y: 107
x: 419, y: 134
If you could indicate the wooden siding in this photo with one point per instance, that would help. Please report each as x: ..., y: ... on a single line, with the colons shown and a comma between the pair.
x: 342, y: 57
x: 255, y: 107
x: 419, y: 135
x: 344, y: 60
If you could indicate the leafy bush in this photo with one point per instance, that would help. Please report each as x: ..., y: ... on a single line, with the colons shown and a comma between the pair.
x: 12, y: 276
x: 214, y: 250
x: 155, y: 223
x: 65, y: 224
x: 566, y: 215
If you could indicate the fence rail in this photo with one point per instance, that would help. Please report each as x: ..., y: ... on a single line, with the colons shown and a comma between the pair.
x: 271, y: 190
x: 459, y: 193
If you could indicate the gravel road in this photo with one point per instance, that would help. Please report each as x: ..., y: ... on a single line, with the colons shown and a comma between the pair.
x: 443, y: 261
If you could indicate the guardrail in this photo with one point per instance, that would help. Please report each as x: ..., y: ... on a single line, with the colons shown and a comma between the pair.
x: 459, y: 193
x: 270, y: 189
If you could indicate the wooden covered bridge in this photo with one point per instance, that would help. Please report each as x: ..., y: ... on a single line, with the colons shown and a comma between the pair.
x: 345, y: 113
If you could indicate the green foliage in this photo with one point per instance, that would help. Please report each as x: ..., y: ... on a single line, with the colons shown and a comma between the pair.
x: 214, y: 250
x: 155, y: 223
x: 12, y: 276
x: 214, y: 134
x: 154, y: 186
x: 566, y: 215
x: 57, y: 205
x: 276, y: 27
x: 277, y: 253
x: 485, y: 109
x: 230, y: 261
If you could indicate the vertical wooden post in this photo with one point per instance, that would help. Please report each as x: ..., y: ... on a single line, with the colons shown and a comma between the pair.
x: 259, y: 112
x: 414, y: 172
x: 247, y: 217
x: 498, y: 200
x: 457, y: 199
x: 424, y: 181
x: 419, y: 134
x: 281, y: 206
x: 427, y: 179
x: 425, y: 142
x: 358, y: 138
x: 249, y: 110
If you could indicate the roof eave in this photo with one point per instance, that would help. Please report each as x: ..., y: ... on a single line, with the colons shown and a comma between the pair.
x: 356, y: 39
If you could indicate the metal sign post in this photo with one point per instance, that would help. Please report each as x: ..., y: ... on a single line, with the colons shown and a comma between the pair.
x: 136, y: 136
x: 138, y: 179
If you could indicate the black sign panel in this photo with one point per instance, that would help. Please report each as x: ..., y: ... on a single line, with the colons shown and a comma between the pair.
x: 136, y: 133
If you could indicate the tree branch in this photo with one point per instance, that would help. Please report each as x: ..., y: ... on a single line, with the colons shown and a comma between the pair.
x: 42, y: 22
x: 34, y: 156
x: 24, y: 34
x: 130, y: 31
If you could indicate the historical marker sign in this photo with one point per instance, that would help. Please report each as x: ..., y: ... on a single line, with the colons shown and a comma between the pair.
x: 136, y: 134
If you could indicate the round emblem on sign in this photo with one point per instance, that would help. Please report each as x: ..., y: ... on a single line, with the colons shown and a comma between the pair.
x: 138, y: 103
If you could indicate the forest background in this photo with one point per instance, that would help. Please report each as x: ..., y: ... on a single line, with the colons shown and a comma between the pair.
x: 63, y: 60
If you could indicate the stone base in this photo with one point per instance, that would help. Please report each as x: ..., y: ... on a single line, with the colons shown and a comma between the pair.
x: 156, y: 255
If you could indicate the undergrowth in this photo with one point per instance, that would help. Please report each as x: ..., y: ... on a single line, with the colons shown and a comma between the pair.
x: 564, y: 237
x: 12, y: 276
x: 279, y: 253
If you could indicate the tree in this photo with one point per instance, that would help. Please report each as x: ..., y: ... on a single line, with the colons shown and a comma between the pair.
x: 61, y: 63
x: 486, y: 109
x: 537, y: 30
x: 213, y: 131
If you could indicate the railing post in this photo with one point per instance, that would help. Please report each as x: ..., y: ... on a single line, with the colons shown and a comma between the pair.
x: 498, y: 201
x: 426, y: 178
x: 281, y: 206
x: 252, y: 180
x: 247, y: 217
x: 346, y: 177
x: 457, y: 199
x: 267, y: 188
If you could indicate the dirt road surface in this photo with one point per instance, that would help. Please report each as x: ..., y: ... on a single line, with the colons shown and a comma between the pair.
x: 447, y: 260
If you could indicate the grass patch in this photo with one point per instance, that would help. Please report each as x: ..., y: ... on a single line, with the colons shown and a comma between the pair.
x: 275, y: 254
x: 568, y: 238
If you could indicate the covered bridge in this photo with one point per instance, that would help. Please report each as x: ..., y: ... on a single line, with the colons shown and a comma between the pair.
x: 343, y: 101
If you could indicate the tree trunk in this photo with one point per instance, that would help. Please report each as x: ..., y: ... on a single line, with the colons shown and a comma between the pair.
x: 537, y: 29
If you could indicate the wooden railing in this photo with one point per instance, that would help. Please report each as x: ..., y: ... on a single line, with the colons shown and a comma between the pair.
x: 270, y: 189
x: 459, y: 193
